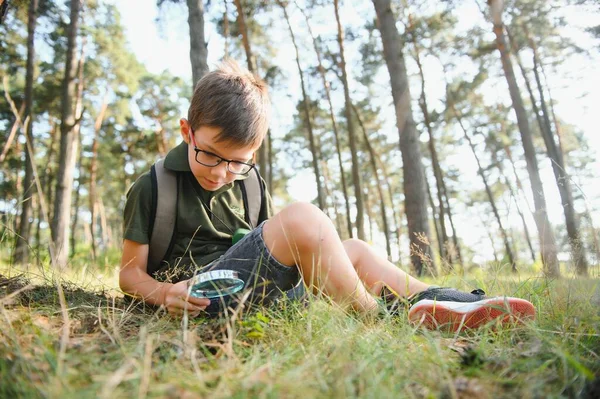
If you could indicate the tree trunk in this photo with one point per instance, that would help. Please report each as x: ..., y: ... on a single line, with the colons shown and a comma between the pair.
x: 436, y: 225
x: 106, y: 232
x: 68, y: 145
x: 563, y: 180
x: 333, y: 125
x: 226, y: 28
x: 360, y: 228
x: 93, y: 174
x: 307, y: 117
x: 368, y: 208
x: 263, y: 161
x: 414, y: 182
x: 547, y: 240
x: 396, y: 218
x: 491, y: 237
x: 513, y: 195
x: 21, y: 254
x: 454, y: 234
x: 77, y: 131
x: 49, y: 174
x: 13, y: 131
x: 198, y: 49
x: 378, y: 184
x: 329, y: 194
x: 437, y: 170
x: 488, y: 191
x: 75, y: 215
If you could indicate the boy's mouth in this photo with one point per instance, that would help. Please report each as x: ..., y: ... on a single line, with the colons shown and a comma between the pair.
x: 212, y: 183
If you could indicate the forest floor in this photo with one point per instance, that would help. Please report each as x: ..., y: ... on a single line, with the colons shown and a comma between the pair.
x: 96, y: 344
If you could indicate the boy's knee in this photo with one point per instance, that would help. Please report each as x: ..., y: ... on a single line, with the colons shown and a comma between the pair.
x: 354, y: 247
x: 304, y: 221
x: 303, y: 213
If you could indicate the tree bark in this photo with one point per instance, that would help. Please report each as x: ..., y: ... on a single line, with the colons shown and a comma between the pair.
x: 414, y: 182
x: 21, y: 254
x: 198, y: 48
x: 547, y: 240
x: 334, y: 125
x: 358, y: 193
x: 68, y: 145
x: 307, y: 117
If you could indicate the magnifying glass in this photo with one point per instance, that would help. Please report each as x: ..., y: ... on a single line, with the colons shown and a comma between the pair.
x: 215, y: 284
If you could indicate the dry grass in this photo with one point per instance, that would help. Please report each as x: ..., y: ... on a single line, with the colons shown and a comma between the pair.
x: 116, y: 349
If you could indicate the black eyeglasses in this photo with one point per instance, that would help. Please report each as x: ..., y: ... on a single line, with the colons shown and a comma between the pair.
x: 207, y: 158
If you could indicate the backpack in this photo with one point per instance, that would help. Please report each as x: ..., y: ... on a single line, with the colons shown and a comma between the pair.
x: 164, y: 213
x: 164, y: 209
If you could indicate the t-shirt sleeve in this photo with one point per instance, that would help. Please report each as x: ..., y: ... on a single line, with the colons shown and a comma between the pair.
x: 137, y: 213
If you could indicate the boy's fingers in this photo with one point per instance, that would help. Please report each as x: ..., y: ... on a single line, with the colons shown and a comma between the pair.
x: 198, y: 301
x: 179, y: 305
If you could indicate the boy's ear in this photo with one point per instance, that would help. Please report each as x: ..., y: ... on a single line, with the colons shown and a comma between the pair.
x: 184, y: 129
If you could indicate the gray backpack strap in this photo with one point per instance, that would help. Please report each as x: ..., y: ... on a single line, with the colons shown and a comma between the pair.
x: 164, y: 214
x: 253, y: 194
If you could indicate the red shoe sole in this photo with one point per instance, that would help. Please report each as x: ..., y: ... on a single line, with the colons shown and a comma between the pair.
x: 455, y: 315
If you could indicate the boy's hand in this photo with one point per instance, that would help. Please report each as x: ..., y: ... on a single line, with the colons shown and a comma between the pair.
x: 177, y: 300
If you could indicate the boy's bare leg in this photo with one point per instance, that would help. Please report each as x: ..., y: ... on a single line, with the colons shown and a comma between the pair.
x: 375, y: 271
x: 302, y: 235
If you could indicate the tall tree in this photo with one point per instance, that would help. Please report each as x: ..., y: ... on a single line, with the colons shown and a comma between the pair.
x: 334, y: 124
x: 555, y: 153
x: 77, y: 134
x: 488, y: 190
x: 445, y: 245
x: 263, y: 159
x: 414, y: 182
x: 21, y: 254
x: 547, y: 240
x: 93, y: 174
x: 198, y: 48
x: 378, y: 184
x: 68, y: 143
x: 352, y: 137
x: 307, y: 117
x: 563, y: 180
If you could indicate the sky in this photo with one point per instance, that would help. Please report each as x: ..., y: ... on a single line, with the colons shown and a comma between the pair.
x: 164, y: 45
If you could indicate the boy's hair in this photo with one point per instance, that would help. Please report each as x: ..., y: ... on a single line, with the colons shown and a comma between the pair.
x: 235, y: 100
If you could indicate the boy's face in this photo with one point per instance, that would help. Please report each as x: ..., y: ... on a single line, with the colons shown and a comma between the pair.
x: 204, y: 138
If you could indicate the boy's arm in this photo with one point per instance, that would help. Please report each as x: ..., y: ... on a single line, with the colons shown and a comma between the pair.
x: 134, y: 280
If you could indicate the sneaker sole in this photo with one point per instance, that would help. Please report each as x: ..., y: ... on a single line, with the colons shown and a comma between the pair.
x: 459, y: 315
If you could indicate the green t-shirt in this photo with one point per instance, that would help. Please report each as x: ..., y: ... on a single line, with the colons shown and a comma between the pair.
x: 199, y: 235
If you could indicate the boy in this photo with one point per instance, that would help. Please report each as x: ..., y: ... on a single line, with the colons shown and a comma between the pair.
x: 227, y: 121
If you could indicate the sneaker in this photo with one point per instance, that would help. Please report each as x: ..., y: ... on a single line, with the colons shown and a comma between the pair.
x: 454, y: 310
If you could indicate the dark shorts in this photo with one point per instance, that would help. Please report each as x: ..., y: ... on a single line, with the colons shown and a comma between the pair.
x: 264, y: 277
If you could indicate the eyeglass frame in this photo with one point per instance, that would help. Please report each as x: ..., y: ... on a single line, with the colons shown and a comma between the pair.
x: 220, y: 158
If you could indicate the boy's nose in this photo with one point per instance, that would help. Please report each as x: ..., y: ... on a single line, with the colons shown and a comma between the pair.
x: 220, y: 170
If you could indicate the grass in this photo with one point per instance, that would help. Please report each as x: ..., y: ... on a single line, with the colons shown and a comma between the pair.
x: 103, y: 346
